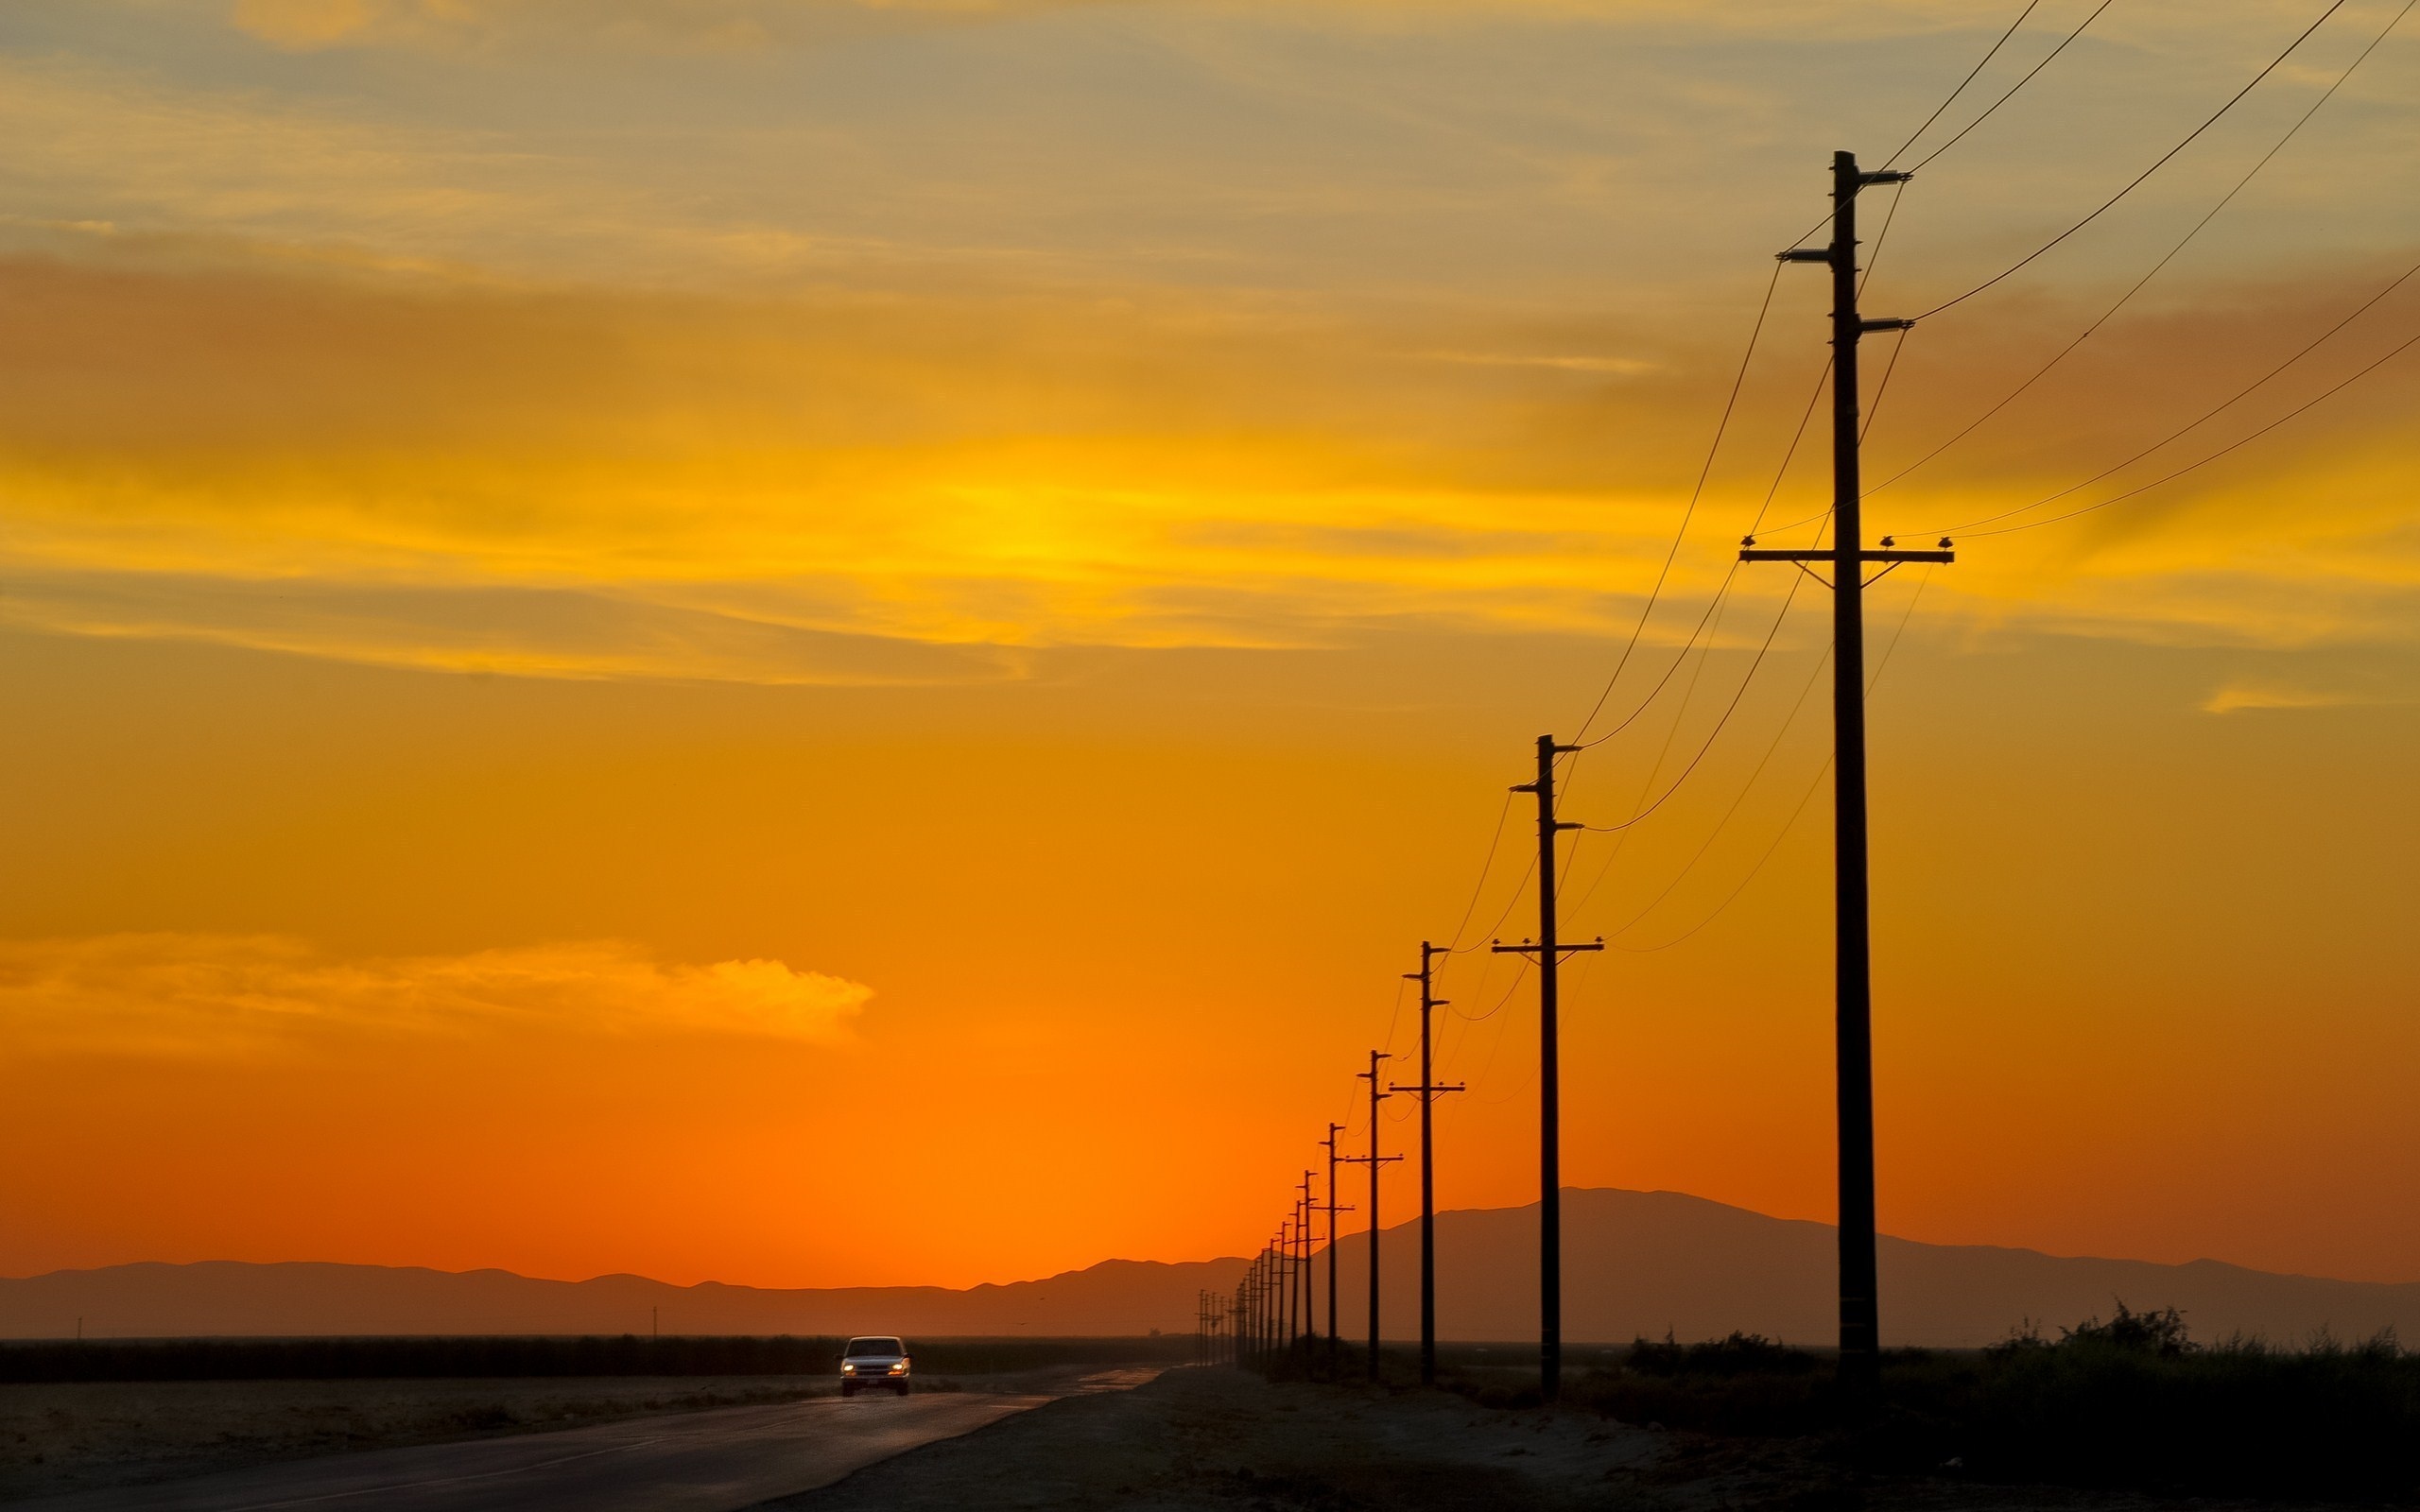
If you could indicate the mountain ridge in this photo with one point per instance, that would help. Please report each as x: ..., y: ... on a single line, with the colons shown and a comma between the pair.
x: 1636, y: 1263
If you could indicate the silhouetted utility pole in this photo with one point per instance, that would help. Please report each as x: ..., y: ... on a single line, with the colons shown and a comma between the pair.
x: 1310, y: 1312
x: 1373, y: 1161
x: 1853, y: 1021
x: 1283, y: 1277
x: 1295, y: 1301
x: 1549, y: 950
x: 1331, y: 1206
x: 1428, y: 1091
x: 1259, y: 1304
x: 1277, y: 1288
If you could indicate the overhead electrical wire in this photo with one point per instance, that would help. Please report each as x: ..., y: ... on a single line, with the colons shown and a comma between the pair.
x: 2323, y: 396
x: 1972, y: 74
x: 1719, y: 825
x: 2136, y: 181
x: 2157, y: 267
x: 1990, y: 110
x: 2203, y: 419
x: 1679, y: 534
x: 1486, y: 867
x: 1720, y: 724
x: 1873, y: 681
x: 1714, y: 448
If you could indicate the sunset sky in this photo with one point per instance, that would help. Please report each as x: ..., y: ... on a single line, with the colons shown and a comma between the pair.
x: 830, y: 641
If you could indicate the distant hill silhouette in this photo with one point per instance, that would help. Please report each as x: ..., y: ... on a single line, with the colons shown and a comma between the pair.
x: 1636, y: 1263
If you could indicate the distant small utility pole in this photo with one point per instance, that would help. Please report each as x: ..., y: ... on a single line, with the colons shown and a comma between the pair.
x: 1549, y: 950
x: 1427, y: 1091
x: 1295, y: 1299
x: 1853, y: 1017
x: 1373, y: 1161
x: 654, y: 1323
x: 1311, y: 1310
x: 1331, y: 1206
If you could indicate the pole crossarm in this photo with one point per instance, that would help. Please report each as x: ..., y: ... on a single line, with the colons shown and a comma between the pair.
x: 1826, y: 554
x: 1398, y: 1087
x: 1558, y: 948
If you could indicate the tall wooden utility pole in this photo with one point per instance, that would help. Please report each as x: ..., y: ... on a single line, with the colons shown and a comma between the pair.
x: 1331, y: 1206
x: 1427, y: 1091
x: 1853, y: 1019
x: 1373, y: 1160
x: 1302, y: 1264
x: 1549, y: 949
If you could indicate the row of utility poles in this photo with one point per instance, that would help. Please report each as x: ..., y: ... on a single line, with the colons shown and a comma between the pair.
x: 1270, y: 1311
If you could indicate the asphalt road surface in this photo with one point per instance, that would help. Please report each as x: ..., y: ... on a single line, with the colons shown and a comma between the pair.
x: 717, y: 1461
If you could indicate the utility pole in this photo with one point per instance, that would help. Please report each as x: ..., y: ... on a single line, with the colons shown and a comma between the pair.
x: 1332, y: 1208
x: 1853, y: 1019
x: 1253, y: 1305
x: 1282, y: 1275
x: 1427, y: 1090
x: 1276, y: 1290
x: 1373, y: 1161
x: 1294, y: 1297
x: 1548, y: 950
x: 1310, y: 1310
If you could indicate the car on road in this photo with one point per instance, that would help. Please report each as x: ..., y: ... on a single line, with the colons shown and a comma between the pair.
x: 875, y: 1360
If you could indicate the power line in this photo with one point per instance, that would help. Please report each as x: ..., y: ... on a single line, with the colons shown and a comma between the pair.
x: 1489, y: 865
x: 1989, y: 110
x: 1714, y: 448
x: 2157, y: 267
x: 1972, y: 73
x: 1962, y: 89
x: 1745, y: 789
x: 2329, y: 393
x: 1716, y: 733
x: 2203, y: 419
x: 2162, y: 162
x: 1872, y: 683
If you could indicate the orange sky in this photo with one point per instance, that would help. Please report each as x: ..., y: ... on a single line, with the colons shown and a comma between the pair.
x: 651, y: 637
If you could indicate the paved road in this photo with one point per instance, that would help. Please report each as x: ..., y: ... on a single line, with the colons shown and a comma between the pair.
x: 717, y: 1461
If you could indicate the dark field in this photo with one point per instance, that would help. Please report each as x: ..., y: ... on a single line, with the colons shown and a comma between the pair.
x: 78, y: 1416
x: 471, y: 1358
x: 2133, y: 1405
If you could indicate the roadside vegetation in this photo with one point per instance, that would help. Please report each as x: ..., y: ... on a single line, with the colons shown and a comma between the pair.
x: 2131, y: 1404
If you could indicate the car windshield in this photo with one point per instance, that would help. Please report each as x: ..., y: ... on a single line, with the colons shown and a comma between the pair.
x: 876, y: 1347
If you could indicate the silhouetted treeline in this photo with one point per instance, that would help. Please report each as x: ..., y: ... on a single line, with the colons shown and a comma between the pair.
x: 335, y: 1359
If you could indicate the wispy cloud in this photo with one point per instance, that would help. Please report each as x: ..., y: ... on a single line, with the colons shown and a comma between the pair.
x: 2236, y: 696
x: 210, y: 995
x: 305, y: 25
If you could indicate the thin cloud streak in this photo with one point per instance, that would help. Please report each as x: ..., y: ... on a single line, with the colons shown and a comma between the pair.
x: 210, y: 996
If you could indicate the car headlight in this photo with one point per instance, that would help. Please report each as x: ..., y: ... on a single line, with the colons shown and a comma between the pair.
x: 899, y: 1369
x: 848, y: 1369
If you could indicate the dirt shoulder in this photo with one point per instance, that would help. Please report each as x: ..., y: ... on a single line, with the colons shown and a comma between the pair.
x: 1218, y: 1440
